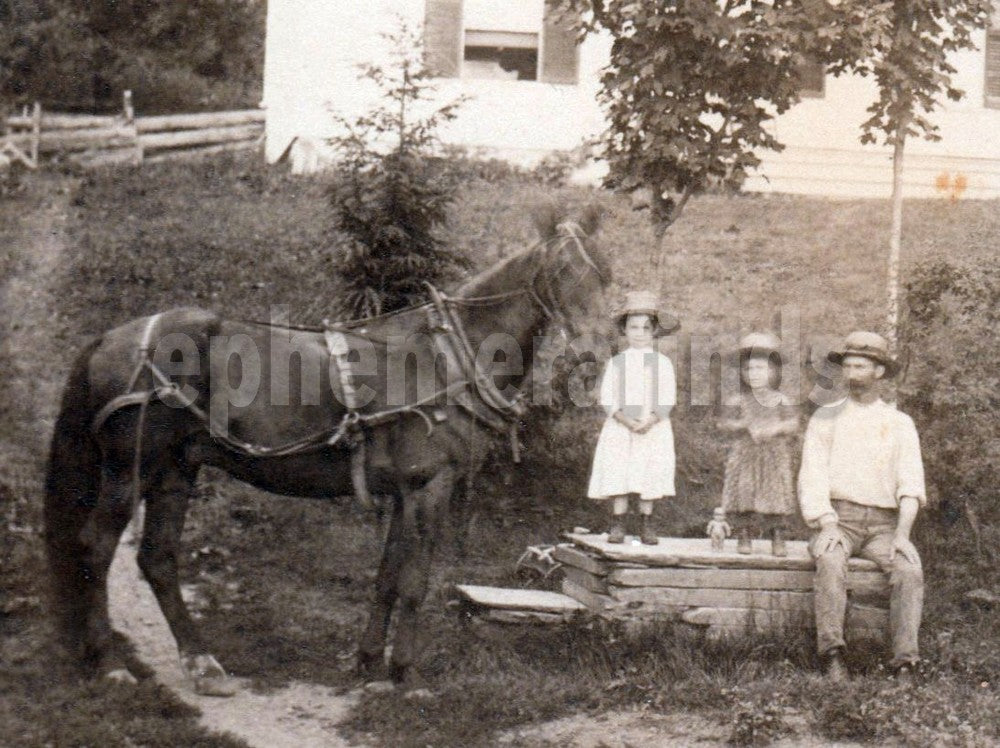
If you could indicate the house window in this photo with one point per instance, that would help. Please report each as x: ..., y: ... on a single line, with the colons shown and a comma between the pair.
x: 509, y: 55
x: 520, y: 40
x: 812, y: 77
x: 991, y: 84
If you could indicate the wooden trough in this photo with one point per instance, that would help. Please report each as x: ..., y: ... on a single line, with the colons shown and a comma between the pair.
x: 683, y: 579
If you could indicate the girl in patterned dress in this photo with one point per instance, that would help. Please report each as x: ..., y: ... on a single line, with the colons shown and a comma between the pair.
x: 759, y: 487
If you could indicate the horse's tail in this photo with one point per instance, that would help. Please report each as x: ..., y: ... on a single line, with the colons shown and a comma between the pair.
x: 71, y: 487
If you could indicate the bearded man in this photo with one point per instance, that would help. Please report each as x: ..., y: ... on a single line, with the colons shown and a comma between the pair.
x: 861, y: 485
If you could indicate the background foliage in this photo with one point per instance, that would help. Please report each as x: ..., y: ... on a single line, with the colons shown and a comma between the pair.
x: 79, y: 55
x: 953, y: 383
x: 390, y: 193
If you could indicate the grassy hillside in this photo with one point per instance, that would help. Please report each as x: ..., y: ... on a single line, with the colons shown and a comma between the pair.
x: 283, y: 582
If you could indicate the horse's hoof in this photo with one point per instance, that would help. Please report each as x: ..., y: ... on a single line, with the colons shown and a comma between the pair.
x: 208, y: 676
x: 371, y: 667
x: 121, y: 675
x: 419, y: 694
x: 398, y: 674
x: 380, y: 686
x: 222, y: 687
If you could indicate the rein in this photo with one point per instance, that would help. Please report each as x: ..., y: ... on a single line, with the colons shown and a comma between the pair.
x: 500, y: 413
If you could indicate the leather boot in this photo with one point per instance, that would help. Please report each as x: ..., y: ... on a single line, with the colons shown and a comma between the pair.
x: 836, y: 671
x: 617, y: 532
x: 646, y: 532
x: 778, y: 546
x: 743, y: 543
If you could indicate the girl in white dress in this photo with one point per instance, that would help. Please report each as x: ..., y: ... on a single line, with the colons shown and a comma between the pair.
x: 635, y: 451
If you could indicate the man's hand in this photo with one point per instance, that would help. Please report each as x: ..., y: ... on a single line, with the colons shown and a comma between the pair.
x: 903, y: 546
x: 829, y: 538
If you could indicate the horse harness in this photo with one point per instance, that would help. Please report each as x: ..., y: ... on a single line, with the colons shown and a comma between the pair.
x: 491, y: 409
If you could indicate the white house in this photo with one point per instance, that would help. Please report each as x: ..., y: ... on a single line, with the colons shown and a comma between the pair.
x: 534, y: 90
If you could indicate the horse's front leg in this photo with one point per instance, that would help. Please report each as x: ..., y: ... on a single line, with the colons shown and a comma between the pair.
x: 166, y: 507
x: 421, y: 520
x: 371, y: 649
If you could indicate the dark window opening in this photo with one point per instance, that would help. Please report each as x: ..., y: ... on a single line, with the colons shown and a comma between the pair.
x: 812, y: 77
x: 500, y: 62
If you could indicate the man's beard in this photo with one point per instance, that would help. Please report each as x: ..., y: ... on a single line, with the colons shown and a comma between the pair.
x: 858, y: 388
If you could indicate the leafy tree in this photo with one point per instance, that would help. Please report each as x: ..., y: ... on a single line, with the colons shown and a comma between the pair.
x: 81, y: 54
x: 692, y: 84
x: 390, y: 194
x: 907, y: 54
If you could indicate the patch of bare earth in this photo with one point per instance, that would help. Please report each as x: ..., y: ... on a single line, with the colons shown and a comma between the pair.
x: 300, y: 714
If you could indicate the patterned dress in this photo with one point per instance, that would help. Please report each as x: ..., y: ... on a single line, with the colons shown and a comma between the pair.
x: 759, y: 474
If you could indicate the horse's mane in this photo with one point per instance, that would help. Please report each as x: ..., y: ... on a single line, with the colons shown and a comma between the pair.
x: 549, y: 220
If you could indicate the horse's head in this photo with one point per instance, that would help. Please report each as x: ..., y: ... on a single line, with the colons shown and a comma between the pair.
x: 573, y: 272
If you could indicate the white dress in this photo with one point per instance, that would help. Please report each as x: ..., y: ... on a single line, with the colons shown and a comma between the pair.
x: 638, y: 381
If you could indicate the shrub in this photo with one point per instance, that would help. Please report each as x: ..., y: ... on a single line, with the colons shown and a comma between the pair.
x: 952, y: 386
x: 390, y: 204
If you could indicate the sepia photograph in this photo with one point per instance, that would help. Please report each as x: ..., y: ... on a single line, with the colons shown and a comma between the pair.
x: 556, y: 373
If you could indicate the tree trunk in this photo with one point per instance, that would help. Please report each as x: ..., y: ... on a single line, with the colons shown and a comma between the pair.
x: 895, y: 237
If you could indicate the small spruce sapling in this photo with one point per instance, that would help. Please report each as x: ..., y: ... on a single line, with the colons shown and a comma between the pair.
x: 391, y: 192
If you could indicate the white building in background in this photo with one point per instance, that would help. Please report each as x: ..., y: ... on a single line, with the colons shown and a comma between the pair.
x: 533, y: 90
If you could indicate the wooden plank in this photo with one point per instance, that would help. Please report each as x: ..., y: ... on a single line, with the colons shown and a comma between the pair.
x: 522, y: 616
x: 751, y: 619
x: 867, y: 617
x: 586, y: 580
x: 873, y: 583
x: 570, y: 556
x: 200, y: 120
x: 513, y: 599
x: 121, y: 156
x: 66, y: 121
x: 195, y: 153
x: 595, y: 602
x: 697, y: 552
x: 714, y: 598
x: 67, y: 140
x: 861, y: 623
x: 206, y: 136
x: 745, y: 579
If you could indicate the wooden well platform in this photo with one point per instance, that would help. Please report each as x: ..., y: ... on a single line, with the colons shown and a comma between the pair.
x: 727, y: 592
x: 683, y: 579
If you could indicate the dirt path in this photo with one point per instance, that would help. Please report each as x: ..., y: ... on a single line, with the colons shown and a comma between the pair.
x: 299, y: 715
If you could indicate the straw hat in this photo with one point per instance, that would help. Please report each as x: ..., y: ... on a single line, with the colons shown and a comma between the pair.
x: 872, y: 346
x: 647, y: 302
x: 759, y: 343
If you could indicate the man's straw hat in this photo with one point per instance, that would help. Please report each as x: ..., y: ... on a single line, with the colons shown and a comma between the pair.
x: 647, y: 302
x: 872, y: 346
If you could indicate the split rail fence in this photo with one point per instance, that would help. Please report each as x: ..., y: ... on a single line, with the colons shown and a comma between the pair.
x: 34, y: 137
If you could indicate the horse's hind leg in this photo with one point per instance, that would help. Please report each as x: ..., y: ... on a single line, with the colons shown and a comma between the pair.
x: 99, y: 538
x: 166, y: 507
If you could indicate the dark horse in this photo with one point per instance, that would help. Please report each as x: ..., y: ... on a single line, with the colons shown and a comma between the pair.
x: 151, y: 401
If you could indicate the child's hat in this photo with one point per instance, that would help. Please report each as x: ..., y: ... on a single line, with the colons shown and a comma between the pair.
x: 760, y: 344
x: 872, y: 346
x: 647, y: 302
